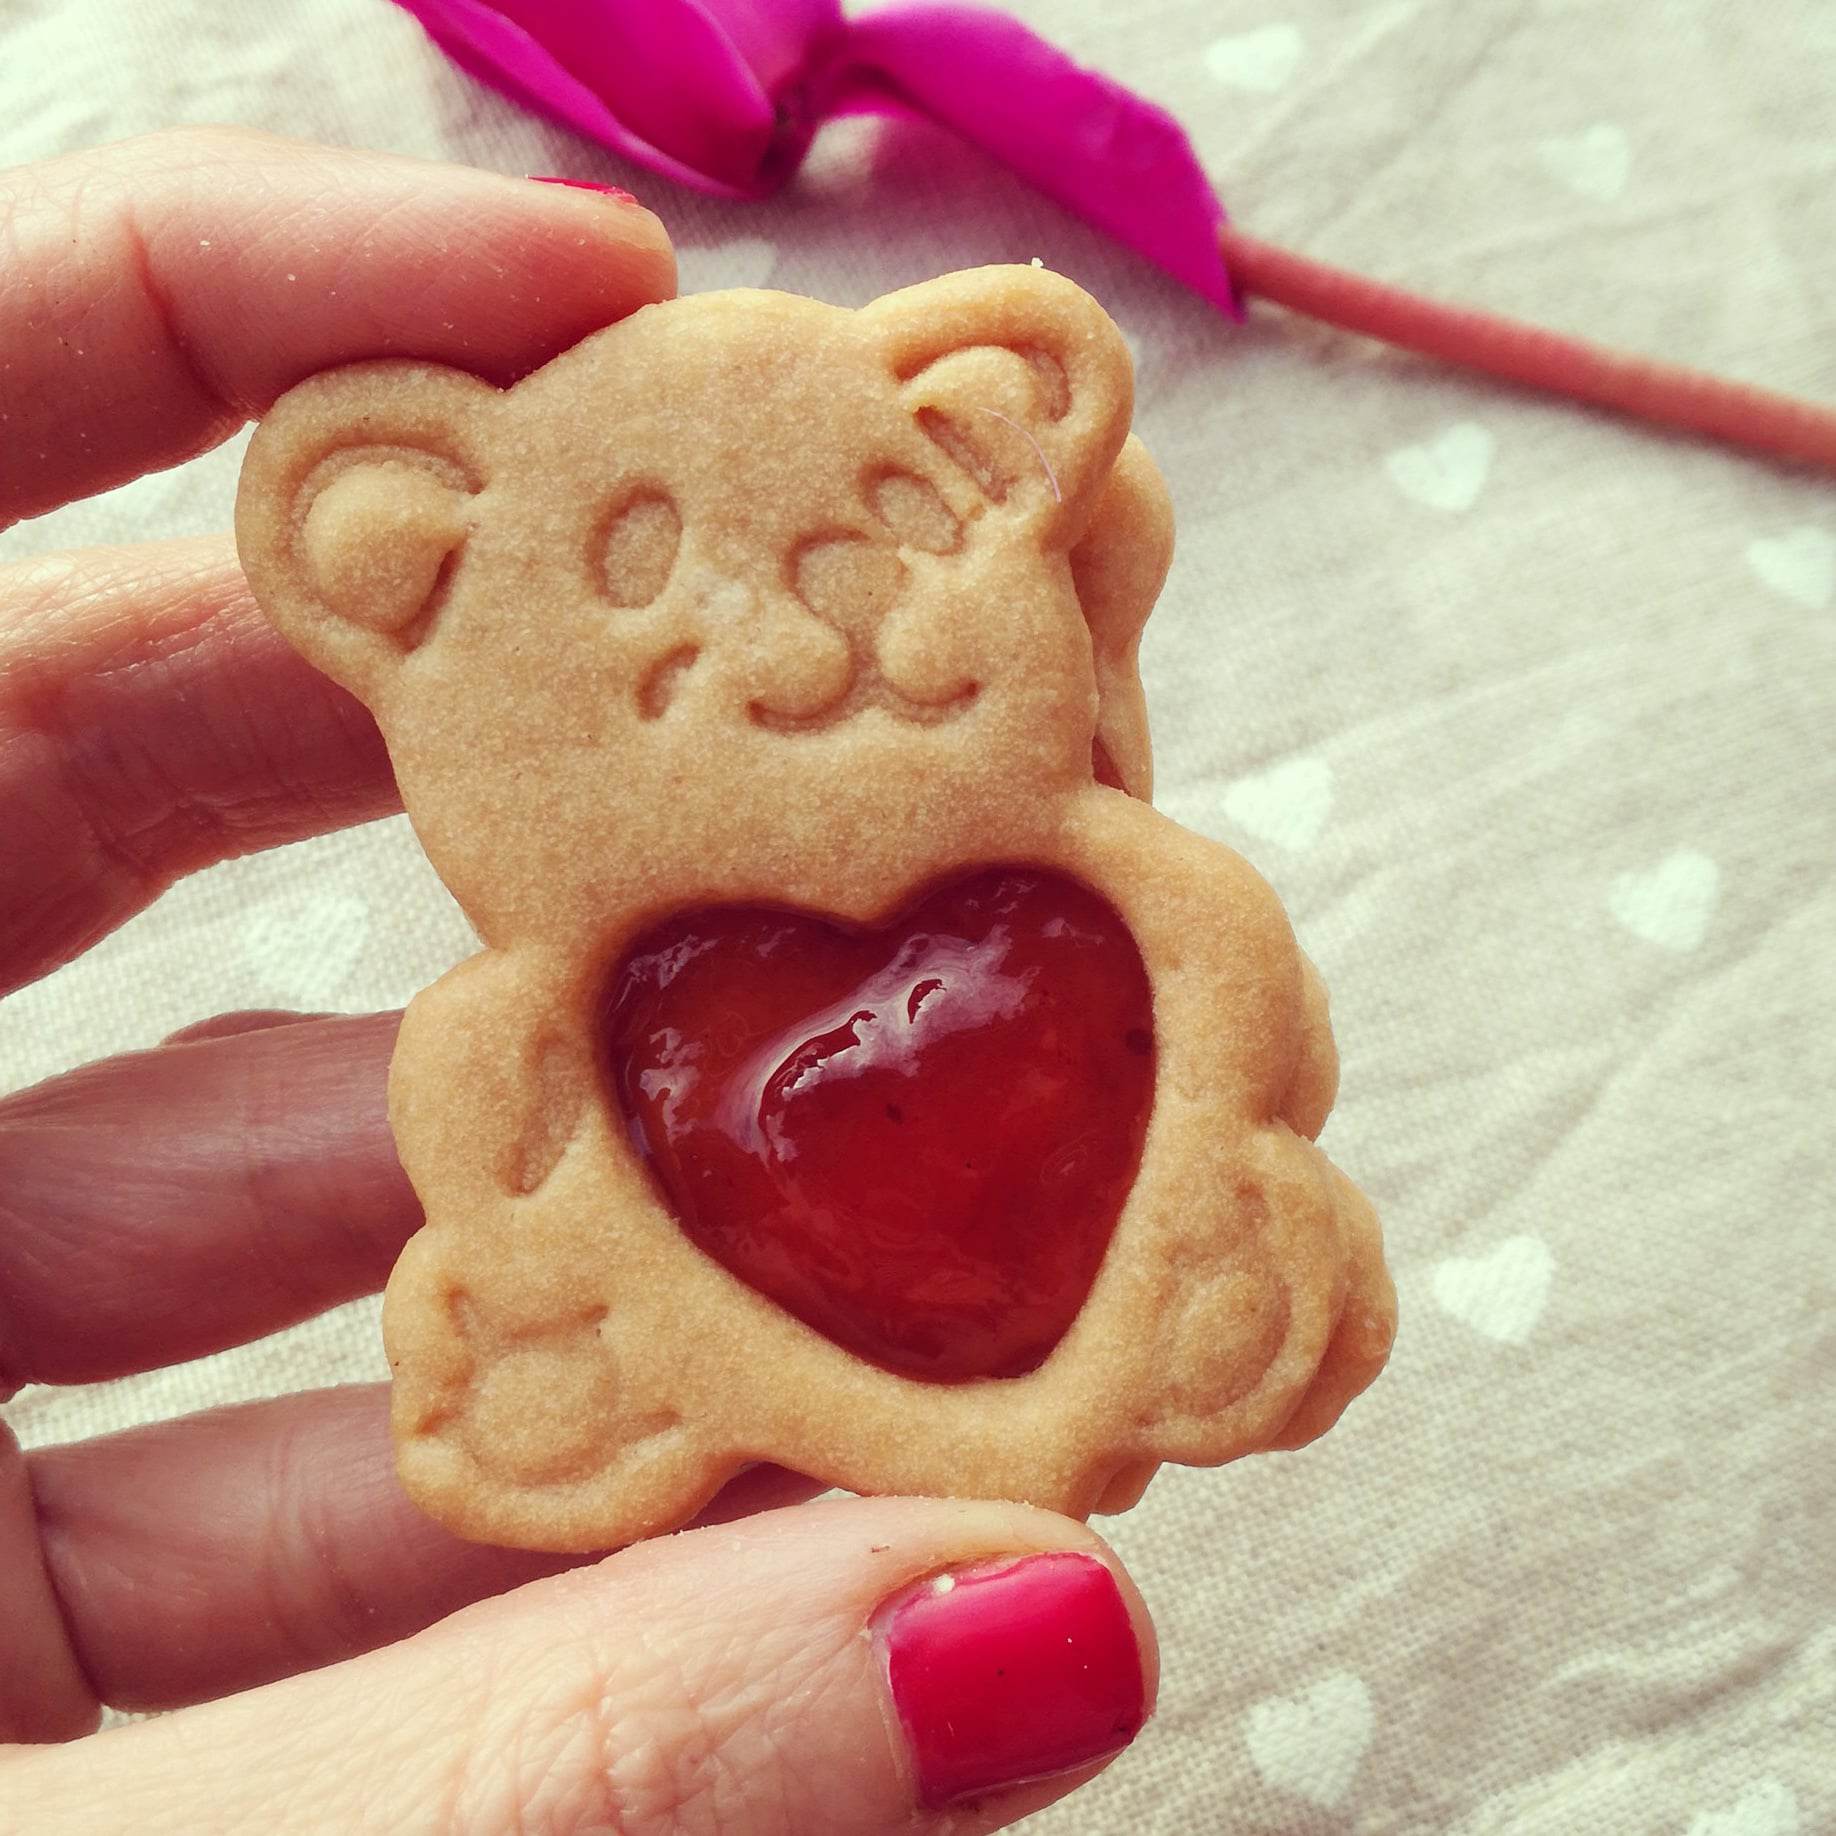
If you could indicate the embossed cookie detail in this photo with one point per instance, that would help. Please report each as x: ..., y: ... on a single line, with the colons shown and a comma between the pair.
x: 982, y: 1168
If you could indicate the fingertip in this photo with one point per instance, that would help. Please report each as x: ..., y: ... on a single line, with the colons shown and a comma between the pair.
x: 1017, y: 1677
x: 1141, y: 1619
x: 1015, y: 1656
x: 608, y: 238
x: 190, y: 277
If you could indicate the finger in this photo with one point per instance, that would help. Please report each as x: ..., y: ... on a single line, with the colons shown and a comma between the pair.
x: 152, y: 722
x: 156, y: 294
x: 228, y: 1026
x: 812, y: 1672
x: 166, y: 1204
x: 43, y: 1692
x: 195, y: 1557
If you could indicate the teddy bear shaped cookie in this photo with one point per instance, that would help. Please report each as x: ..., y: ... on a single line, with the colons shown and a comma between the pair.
x: 857, y: 1072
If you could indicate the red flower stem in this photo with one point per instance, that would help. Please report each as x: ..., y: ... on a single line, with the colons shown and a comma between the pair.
x: 1640, y: 387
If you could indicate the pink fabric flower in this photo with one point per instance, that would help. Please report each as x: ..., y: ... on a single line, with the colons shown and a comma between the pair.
x: 726, y: 95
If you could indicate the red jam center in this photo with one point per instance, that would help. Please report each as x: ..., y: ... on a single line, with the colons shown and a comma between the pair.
x: 915, y: 1138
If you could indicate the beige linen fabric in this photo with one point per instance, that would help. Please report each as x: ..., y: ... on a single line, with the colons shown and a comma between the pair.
x: 1530, y: 717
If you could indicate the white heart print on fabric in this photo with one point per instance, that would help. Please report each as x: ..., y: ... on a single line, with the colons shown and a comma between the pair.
x: 1671, y: 904
x: 1593, y: 164
x: 305, y: 949
x: 1500, y: 1295
x: 1287, y: 805
x: 1447, y: 472
x: 1800, y: 564
x: 1765, y: 1809
x: 1312, y: 1745
x: 1264, y: 60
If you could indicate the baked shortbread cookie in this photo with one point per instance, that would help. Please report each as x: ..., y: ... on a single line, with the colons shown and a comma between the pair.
x: 857, y: 1073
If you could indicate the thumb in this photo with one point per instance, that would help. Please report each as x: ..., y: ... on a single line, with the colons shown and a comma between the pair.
x: 839, y: 1669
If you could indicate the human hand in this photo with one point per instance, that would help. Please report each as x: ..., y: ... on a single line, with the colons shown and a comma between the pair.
x: 169, y: 1203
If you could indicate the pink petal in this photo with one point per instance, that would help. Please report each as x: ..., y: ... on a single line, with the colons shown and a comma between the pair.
x: 1118, y: 161
x: 655, y: 80
x: 724, y: 95
x: 781, y: 40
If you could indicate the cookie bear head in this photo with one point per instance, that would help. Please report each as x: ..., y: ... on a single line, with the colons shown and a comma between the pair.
x: 744, y: 576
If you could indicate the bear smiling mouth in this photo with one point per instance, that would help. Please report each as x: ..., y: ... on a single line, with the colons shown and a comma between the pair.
x: 868, y: 688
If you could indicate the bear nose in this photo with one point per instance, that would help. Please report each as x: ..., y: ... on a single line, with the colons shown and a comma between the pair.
x: 797, y: 668
x: 848, y: 581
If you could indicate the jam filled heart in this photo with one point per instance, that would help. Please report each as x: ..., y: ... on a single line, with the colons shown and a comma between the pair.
x: 915, y: 1138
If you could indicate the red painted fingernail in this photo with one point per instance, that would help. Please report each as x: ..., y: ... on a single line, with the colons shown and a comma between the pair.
x: 1012, y: 1672
x: 616, y: 193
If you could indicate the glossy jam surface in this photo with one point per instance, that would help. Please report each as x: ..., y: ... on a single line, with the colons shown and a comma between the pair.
x: 915, y: 1138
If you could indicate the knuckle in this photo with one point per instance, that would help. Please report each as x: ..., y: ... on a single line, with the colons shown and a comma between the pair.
x: 628, y: 1741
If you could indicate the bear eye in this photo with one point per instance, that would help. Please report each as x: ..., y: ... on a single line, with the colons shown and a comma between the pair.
x: 637, y: 548
x: 912, y: 509
x: 846, y: 578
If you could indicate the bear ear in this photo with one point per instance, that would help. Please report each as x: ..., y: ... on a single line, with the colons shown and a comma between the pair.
x: 1021, y: 379
x: 354, y: 503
